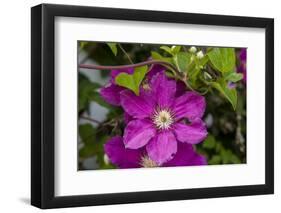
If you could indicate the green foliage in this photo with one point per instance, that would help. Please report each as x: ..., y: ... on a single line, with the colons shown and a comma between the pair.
x: 233, y: 76
x: 217, y: 153
x: 171, y: 50
x: 83, y: 44
x: 133, y: 81
x: 182, y: 61
x: 210, y: 142
x: 93, y: 145
x: 113, y: 47
x: 175, y: 49
x: 223, y: 59
x: 95, y: 96
x: 86, y: 91
x: 229, y: 93
x: 157, y: 56
x: 87, y: 134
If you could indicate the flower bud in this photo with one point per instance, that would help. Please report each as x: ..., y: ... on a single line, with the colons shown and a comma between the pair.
x: 106, y: 159
x: 207, y: 76
x: 200, y: 55
x: 192, y: 49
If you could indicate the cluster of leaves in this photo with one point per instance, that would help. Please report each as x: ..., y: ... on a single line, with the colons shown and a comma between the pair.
x: 94, y: 136
x: 207, y: 70
x: 222, y: 155
x: 202, y: 72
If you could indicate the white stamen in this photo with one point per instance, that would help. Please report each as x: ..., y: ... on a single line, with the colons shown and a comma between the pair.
x: 146, y: 87
x: 146, y: 162
x: 163, y: 119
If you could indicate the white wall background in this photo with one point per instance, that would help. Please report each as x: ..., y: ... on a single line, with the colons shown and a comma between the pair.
x: 15, y: 105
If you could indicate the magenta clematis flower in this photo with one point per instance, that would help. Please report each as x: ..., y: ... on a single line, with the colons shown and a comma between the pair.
x: 147, y: 85
x: 242, y: 67
x: 135, y: 158
x: 161, y: 120
x: 121, y: 157
x: 111, y: 92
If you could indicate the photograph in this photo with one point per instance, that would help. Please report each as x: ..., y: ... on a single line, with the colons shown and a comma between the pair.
x: 141, y: 105
x: 146, y: 105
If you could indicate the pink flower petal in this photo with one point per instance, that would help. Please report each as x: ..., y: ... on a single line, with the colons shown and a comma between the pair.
x: 138, y: 133
x: 163, y: 89
x: 127, y: 118
x: 191, y: 105
x: 162, y: 147
x: 154, y: 69
x: 186, y: 156
x: 111, y: 94
x: 193, y: 133
x: 134, y: 105
x: 120, y: 156
x: 181, y: 88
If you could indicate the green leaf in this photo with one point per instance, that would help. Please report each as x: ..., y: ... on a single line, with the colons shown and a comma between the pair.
x: 182, y: 61
x: 210, y: 142
x: 92, y: 143
x: 87, y: 133
x: 203, y: 61
x: 133, y: 81
x: 229, y: 93
x: 157, y: 56
x: 216, y: 159
x: 229, y: 157
x: 100, y: 149
x: 171, y: 50
x: 83, y: 44
x: 113, y: 47
x: 223, y: 59
x: 175, y: 49
x: 167, y: 49
x: 87, y: 151
x: 86, y: 89
x: 95, y: 96
x: 235, y: 159
x: 233, y: 76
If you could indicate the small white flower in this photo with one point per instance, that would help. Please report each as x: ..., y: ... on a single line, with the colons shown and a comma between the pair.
x: 106, y: 159
x: 192, y: 49
x: 200, y: 55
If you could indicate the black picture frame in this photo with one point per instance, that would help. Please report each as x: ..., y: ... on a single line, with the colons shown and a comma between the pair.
x: 43, y: 102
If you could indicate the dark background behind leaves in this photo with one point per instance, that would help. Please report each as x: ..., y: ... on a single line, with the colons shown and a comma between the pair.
x: 98, y: 120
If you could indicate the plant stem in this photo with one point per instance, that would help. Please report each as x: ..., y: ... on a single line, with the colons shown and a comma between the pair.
x: 124, y: 51
x: 171, y: 67
x: 187, y: 85
x: 90, y: 119
x: 101, y: 67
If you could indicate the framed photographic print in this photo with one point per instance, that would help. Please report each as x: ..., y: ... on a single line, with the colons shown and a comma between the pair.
x: 139, y: 106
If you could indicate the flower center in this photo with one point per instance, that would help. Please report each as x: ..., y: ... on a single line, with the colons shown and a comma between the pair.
x: 146, y: 86
x: 146, y: 162
x: 163, y: 119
